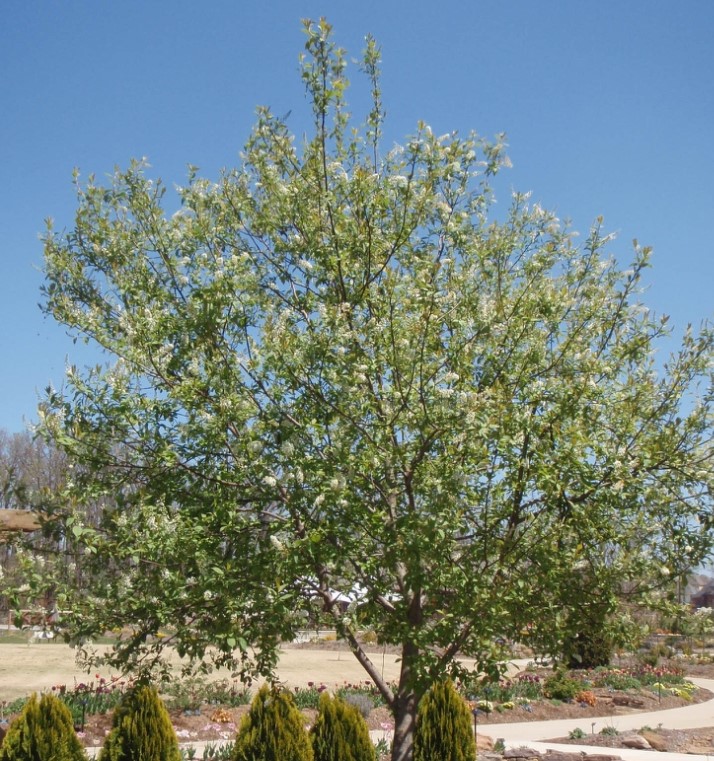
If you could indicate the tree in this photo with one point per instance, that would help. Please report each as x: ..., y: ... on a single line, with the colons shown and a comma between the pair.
x: 141, y: 730
x: 28, y: 468
x: 340, y: 732
x: 43, y: 731
x: 331, y: 372
x: 273, y: 730
x: 444, y: 731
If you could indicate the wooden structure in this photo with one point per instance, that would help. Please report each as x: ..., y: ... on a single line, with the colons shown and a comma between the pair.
x: 704, y: 598
x: 18, y: 520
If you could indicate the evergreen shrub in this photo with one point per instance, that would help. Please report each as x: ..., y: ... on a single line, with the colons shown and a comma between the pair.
x: 273, y: 730
x: 444, y: 726
x: 141, y: 730
x: 42, y: 732
x: 340, y: 732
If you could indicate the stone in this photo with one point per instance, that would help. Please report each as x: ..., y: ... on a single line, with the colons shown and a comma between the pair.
x: 483, y: 742
x: 698, y: 749
x: 521, y: 753
x: 627, y: 700
x: 637, y: 742
x: 656, y: 741
x: 558, y: 755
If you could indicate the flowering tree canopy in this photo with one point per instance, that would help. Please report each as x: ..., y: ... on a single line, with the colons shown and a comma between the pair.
x: 332, y: 371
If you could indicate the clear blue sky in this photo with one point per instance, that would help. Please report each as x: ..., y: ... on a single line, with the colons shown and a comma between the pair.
x: 608, y: 107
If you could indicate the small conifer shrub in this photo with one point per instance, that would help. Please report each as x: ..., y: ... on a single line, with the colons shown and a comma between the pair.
x: 141, y: 730
x: 340, y: 732
x: 273, y: 730
x: 42, y: 732
x: 444, y: 729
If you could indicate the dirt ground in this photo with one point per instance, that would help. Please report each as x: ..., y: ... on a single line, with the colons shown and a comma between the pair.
x: 36, y: 667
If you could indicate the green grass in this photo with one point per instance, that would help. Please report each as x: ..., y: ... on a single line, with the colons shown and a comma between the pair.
x: 22, y: 638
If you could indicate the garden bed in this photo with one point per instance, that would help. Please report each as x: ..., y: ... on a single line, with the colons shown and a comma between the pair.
x: 546, y: 710
x: 204, y: 711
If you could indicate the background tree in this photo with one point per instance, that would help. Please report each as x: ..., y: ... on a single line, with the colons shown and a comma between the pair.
x: 29, y: 467
x: 332, y: 370
x: 31, y: 470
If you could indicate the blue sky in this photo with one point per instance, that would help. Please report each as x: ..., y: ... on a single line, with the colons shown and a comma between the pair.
x: 608, y: 107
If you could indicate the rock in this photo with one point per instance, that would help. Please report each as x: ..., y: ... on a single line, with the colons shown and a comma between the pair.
x: 521, y: 753
x: 699, y: 750
x: 558, y: 755
x: 483, y: 742
x: 627, y: 700
x: 637, y: 742
x: 656, y: 741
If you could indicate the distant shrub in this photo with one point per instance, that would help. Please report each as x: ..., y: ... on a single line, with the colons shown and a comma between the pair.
x: 340, y: 732
x: 587, y: 697
x: 560, y: 686
x: 141, y: 730
x: 363, y: 703
x: 591, y: 647
x: 443, y: 730
x: 42, y: 732
x: 273, y: 730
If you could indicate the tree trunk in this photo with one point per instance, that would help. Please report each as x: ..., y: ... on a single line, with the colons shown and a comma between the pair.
x: 405, y: 712
x: 406, y: 701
